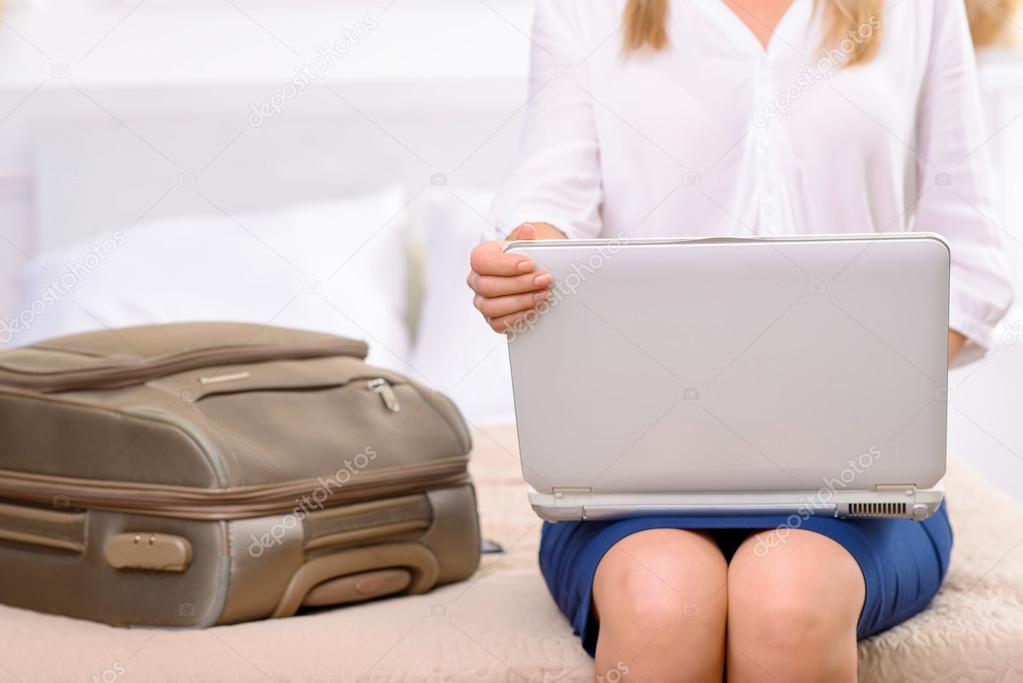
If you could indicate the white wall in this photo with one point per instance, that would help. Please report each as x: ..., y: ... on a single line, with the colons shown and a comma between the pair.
x: 118, y: 61
x: 118, y: 42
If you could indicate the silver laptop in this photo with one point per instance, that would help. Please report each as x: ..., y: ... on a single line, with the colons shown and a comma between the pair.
x: 790, y: 375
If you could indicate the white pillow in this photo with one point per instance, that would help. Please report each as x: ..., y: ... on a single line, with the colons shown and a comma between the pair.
x: 455, y: 351
x: 335, y: 266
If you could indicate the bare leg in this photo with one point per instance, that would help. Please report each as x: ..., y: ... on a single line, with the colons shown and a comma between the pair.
x: 661, y: 599
x: 794, y: 599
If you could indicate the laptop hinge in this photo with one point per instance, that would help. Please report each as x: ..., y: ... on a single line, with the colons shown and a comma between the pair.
x: 570, y: 495
x: 908, y: 489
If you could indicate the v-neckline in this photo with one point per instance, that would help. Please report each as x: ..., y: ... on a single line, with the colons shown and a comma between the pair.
x: 739, y: 26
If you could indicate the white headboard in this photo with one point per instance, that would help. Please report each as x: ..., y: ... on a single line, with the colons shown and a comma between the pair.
x: 193, y: 151
x: 102, y: 159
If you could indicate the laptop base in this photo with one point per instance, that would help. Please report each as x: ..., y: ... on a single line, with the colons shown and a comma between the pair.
x: 894, y: 502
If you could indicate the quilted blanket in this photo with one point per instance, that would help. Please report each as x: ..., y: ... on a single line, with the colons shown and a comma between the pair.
x: 501, y: 625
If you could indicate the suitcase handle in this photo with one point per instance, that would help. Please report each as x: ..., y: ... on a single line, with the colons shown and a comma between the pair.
x: 418, y: 560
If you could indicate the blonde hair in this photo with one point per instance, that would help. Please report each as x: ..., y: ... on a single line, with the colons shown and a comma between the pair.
x: 853, y: 25
x: 991, y: 21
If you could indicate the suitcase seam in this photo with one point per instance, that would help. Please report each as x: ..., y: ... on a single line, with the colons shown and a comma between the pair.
x: 222, y: 595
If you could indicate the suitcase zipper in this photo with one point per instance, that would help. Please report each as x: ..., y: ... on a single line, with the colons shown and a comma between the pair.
x: 144, y: 370
x: 232, y: 503
x: 382, y: 387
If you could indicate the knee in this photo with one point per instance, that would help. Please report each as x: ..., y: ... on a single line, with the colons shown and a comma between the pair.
x: 779, y: 618
x: 804, y: 594
x: 660, y: 600
x: 642, y: 595
x: 663, y: 577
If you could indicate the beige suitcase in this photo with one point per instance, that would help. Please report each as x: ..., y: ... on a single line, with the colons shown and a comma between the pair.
x: 212, y: 473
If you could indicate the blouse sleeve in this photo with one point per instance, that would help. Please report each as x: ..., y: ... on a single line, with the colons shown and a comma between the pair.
x: 558, y: 179
x: 954, y: 181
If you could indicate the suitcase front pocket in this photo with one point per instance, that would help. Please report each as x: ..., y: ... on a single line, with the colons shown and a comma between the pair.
x: 198, y: 384
x: 42, y: 528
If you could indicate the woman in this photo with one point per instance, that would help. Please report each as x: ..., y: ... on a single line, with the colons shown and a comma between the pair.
x: 718, y: 117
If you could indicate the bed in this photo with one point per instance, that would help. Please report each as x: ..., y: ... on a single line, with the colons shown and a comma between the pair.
x: 501, y: 625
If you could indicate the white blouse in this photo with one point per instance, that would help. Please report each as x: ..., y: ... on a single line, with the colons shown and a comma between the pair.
x: 718, y: 136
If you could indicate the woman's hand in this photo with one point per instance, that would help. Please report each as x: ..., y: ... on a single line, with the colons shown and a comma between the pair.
x: 509, y: 286
x: 956, y: 342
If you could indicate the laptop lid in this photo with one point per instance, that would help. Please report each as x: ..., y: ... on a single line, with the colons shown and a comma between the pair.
x: 731, y: 364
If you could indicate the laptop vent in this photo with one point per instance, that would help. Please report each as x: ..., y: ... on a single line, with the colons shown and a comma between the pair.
x: 877, y: 509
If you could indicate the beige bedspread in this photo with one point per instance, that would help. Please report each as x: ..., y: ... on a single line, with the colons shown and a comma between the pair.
x: 502, y: 626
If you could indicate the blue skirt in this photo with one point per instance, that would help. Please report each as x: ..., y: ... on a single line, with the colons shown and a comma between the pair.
x: 903, y: 562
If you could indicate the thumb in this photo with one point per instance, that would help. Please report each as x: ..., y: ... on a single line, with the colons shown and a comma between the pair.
x: 526, y: 231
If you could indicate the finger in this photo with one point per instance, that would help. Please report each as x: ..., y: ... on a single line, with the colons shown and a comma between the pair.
x: 489, y: 259
x: 514, y: 322
x: 491, y: 286
x: 506, y: 305
x: 526, y: 231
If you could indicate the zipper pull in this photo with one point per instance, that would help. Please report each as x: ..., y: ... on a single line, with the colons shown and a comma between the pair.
x: 381, y: 386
